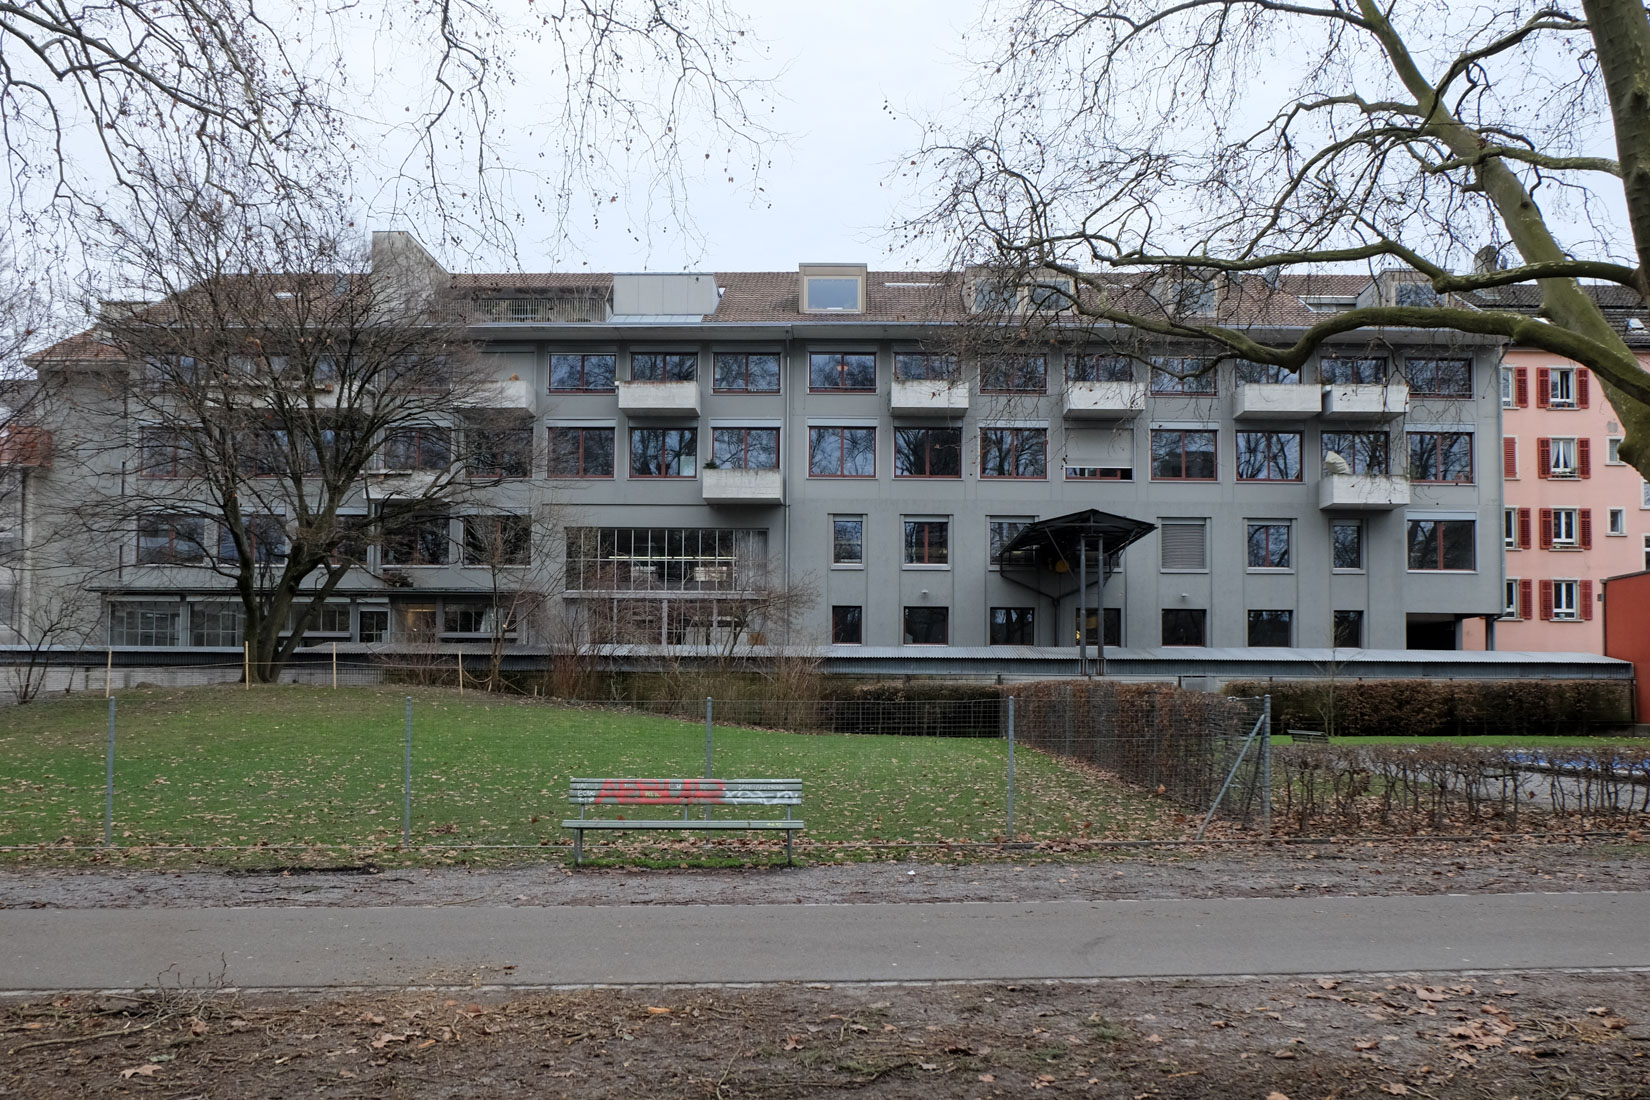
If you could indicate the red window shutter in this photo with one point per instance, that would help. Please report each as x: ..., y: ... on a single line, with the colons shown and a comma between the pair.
x: 1509, y: 458
x: 1586, y: 600
x: 1581, y: 388
x: 1547, y: 601
x: 1524, y: 532
x: 1546, y: 528
x: 1526, y: 598
x: 1521, y: 387
x: 1543, y: 387
x: 1584, y: 525
x: 1584, y: 458
x: 1543, y: 457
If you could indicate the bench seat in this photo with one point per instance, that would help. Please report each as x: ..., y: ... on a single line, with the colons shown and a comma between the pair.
x: 687, y: 794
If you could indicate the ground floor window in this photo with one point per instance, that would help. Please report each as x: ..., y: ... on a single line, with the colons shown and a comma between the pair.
x: 1349, y: 630
x: 1184, y: 625
x: 927, y: 625
x: 146, y: 624
x: 1271, y: 628
x: 216, y: 624
x: 847, y: 624
x: 1012, y: 626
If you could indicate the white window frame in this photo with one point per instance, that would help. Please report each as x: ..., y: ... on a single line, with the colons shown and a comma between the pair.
x: 1570, y: 518
x: 1568, y: 467
x: 1566, y: 600
x: 1618, y: 522
x: 950, y: 545
x: 1509, y: 598
x: 1509, y: 388
x: 1561, y: 378
x: 1612, y: 451
x: 1509, y: 528
x: 852, y: 518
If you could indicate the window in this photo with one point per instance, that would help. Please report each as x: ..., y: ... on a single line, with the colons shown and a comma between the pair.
x: 927, y: 625
x: 1183, y: 456
x: 1012, y: 626
x: 842, y: 452
x: 581, y: 452
x: 1001, y: 532
x: 1565, y: 528
x: 1440, y: 377
x: 742, y: 372
x: 1560, y: 388
x: 581, y: 373
x: 1014, y: 452
x: 146, y: 624
x: 416, y: 540
x: 163, y: 453
x: 1269, y: 456
x: 500, y: 451
x: 1054, y: 294
x: 1440, y: 457
x: 657, y: 366
x: 927, y: 541
x: 1269, y: 546
x: 424, y: 447
x: 1014, y: 374
x: 171, y: 540
x: 847, y: 624
x: 927, y: 452
x: 1181, y: 375
x: 1442, y: 544
x: 664, y: 452
x: 1099, y: 473
x: 1509, y: 388
x: 1612, y: 451
x: 922, y: 367
x: 330, y: 618
x: 1271, y: 628
x: 1565, y: 602
x: 1618, y: 521
x: 1247, y: 371
x: 1647, y: 552
x: 745, y: 448
x: 848, y: 540
x: 1183, y: 625
x: 1108, y: 629
x: 665, y: 559
x: 995, y: 296
x: 1349, y: 630
x: 1342, y: 370
x: 216, y: 623
x: 1088, y: 367
x: 266, y: 536
x: 497, y: 540
x: 1564, y: 458
x: 1509, y: 528
x: 1366, y: 453
x: 1509, y: 598
x: 1184, y: 545
x: 1346, y: 541
x: 375, y: 624
x: 842, y: 372
x: 832, y: 294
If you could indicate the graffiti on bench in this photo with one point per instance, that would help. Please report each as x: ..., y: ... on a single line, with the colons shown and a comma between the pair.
x: 662, y: 792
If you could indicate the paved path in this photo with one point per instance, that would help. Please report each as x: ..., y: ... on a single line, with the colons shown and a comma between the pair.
x: 389, y: 946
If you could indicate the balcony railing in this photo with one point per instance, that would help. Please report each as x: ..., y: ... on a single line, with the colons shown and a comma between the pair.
x: 1365, y: 401
x: 1104, y: 400
x: 659, y: 398
x: 743, y: 486
x: 1362, y: 492
x: 555, y: 309
x: 928, y: 397
x: 1276, y: 401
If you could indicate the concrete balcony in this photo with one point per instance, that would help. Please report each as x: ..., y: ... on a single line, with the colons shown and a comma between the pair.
x: 928, y: 397
x: 1362, y: 492
x: 659, y: 398
x: 1104, y: 400
x: 514, y: 394
x: 758, y: 487
x: 1354, y: 401
x: 1276, y: 401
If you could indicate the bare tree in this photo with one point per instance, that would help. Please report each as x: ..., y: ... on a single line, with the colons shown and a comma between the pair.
x: 1150, y: 165
x: 282, y: 403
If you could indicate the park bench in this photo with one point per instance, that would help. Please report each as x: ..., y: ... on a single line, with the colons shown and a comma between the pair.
x: 688, y: 794
x: 1314, y: 737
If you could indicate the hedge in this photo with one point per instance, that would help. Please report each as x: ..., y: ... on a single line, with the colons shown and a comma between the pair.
x: 1444, y: 708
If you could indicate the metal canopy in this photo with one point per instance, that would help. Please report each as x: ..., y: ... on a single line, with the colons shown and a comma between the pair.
x: 1048, y: 555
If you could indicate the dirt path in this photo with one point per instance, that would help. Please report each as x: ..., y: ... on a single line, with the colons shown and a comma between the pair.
x: 1279, y: 871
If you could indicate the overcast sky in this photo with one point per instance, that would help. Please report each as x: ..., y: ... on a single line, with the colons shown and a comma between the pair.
x: 827, y: 195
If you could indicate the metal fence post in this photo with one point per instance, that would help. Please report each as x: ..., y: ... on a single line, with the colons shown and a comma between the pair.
x: 709, y: 725
x: 406, y: 782
x: 1266, y: 764
x: 1011, y: 769
x: 109, y: 781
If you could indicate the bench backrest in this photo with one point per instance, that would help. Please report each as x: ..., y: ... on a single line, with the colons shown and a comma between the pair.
x: 685, y: 792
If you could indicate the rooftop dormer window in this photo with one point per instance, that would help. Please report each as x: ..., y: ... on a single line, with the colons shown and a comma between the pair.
x: 833, y: 288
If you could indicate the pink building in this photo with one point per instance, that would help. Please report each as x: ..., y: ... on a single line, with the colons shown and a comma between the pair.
x: 1575, y: 514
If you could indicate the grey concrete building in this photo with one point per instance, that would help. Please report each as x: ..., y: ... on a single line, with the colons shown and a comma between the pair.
x: 831, y: 456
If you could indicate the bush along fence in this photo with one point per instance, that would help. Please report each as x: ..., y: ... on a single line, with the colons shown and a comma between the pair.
x: 1444, y: 708
x: 1442, y: 788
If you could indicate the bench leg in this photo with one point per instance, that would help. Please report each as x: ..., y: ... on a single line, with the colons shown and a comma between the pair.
x: 578, y: 846
x: 789, y: 833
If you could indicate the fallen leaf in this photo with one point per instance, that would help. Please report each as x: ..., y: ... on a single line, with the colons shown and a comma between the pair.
x: 1276, y: 1096
x: 1328, y: 983
x: 1154, y: 1038
x: 148, y: 1069
x: 1285, y: 1054
x: 928, y: 1065
x: 793, y: 1042
x: 387, y: 1037
x: 987, y: 1078
x: 1599, y: 1010
x: 1396, y: 1089
x: 371, y: 1018
x: 1366, y: 1044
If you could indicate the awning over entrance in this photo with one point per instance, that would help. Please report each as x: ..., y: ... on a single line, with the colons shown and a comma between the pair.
x: 1048, y: 555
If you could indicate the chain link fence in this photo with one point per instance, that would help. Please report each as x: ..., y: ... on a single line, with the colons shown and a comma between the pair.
x: 386, y: 765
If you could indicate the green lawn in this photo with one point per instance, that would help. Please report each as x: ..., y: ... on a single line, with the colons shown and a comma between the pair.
x: 288, y: 764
